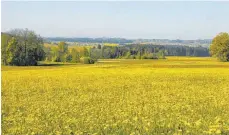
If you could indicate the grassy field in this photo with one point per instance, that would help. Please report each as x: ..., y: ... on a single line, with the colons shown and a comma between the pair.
x: 178, y: 95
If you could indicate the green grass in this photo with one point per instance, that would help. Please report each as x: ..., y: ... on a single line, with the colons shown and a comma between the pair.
x: 178, y: 95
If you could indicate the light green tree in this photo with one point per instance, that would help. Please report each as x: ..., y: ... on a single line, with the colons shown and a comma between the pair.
x: 220, y: 47
x: 75, y: 56
x: 63, y: 51
x: 85, y: 52
x: 5, y: 38
x: 11, y: 52
x: 25, y: 48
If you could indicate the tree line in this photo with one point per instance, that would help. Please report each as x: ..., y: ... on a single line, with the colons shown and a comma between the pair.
x: 23, y: 47
x: 63, y: 53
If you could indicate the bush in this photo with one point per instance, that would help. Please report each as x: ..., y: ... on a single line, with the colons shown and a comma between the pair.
x: 144, y: 56
x: 152, y: 56
x: 87, y: 60
x: 132, y: 57
x: 149, y: 56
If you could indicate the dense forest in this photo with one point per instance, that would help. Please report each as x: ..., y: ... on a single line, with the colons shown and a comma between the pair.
x: 24, y: 47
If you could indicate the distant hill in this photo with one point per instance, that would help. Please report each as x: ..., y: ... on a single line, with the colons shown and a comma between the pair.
x: 123, y: 41
x: 89, y: 40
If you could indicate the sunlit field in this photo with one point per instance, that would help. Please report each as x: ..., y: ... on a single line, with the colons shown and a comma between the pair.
x: 177, y: 95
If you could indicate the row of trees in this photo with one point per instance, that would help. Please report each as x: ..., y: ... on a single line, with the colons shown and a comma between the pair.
x: 136, y: 51
x: 25, y: 47
x: 62, y: 53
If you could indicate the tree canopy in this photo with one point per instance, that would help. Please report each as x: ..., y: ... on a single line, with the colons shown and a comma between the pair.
x: 220, y: 47
x: 22, y: 48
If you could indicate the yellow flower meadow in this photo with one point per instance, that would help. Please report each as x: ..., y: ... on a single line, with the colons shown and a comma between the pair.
x: 178, y: 95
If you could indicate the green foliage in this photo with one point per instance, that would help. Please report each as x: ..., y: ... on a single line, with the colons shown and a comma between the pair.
x: 62, y: 51
x: 5, y: 38
x: 149, y: 56
x: 128, y: 55
x: 85, y: 52
x: 68, y: 58
x: 75, y: 56
x: 11, y: 51
x: 24, y: 48
x: 124, y: 52
x: 63, y: 47
x: 138, y: 55
x: 132, y: 57
x: 161, y: 54
x: 55, y: 54
x: 87, y: 60
x: 48, y: 55
x: 220, y: 47
x: 99, y: 46
x: 96, y: 53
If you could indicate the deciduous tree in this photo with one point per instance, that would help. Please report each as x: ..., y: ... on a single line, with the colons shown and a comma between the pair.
x: 220, y: 47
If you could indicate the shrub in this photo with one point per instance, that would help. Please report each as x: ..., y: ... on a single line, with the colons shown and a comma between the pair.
x: 149, y: 56
x: 132, y: 57
x: 87, y: 60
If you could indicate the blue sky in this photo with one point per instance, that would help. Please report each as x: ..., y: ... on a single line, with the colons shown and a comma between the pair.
x: 164, y: 20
